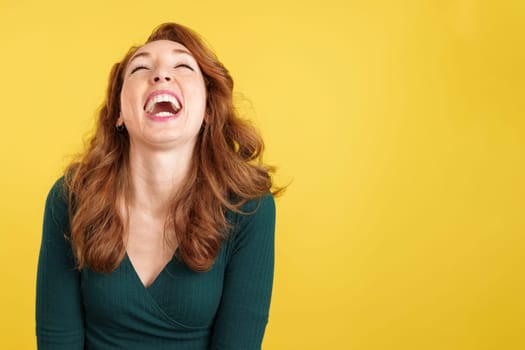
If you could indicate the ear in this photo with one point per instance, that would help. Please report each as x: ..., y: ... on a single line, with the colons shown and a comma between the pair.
x: 120, y: 121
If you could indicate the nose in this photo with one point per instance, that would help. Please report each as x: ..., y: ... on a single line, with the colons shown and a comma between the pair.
x: 158, y: 78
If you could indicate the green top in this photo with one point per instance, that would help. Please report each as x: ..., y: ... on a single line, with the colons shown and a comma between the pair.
x: 224, y: 308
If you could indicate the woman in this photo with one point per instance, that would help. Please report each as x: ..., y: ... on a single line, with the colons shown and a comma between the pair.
x: 161, y: 236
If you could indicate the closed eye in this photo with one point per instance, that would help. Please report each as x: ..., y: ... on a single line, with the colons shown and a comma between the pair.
x: 138, y: 68
x: 184, y: 66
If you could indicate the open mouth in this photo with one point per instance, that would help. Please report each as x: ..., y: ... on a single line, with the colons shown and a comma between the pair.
x: 162, y: 105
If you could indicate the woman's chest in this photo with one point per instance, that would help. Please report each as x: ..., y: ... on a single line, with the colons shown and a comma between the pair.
x: 178, y: 297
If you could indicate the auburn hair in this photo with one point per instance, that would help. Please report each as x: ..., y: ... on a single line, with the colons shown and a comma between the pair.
x: 226, y: 170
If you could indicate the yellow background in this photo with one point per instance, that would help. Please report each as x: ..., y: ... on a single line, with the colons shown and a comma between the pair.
x: 399, y: 123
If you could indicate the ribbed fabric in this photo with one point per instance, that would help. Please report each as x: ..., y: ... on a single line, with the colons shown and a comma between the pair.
x: 224, y: 308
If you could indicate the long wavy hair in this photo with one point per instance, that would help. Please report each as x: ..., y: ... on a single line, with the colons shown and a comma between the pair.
x: 226, y: 170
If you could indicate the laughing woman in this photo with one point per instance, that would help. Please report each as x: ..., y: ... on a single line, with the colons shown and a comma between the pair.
x: 161, y: 235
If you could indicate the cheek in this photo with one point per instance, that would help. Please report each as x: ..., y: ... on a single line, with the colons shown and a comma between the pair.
x: 127, y: 100
x: 200, y: 101
x: 199, y: 97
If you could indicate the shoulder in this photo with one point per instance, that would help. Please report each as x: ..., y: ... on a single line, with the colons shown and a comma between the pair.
x: 56, y: 202
x: 259, y: 208
x: 263, y: 203
x: 57, y: 194
x: 254, y: 224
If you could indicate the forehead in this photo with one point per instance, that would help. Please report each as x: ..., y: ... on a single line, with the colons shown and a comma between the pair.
x: 160, y: 47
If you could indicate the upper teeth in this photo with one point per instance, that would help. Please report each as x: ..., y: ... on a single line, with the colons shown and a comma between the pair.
x: 162, y: 98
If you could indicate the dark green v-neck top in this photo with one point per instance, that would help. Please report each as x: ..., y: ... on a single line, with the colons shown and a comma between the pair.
x: 224, y: 308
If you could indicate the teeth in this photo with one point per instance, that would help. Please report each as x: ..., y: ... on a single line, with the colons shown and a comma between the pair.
x: 164, y: 114
x: 162, y: 98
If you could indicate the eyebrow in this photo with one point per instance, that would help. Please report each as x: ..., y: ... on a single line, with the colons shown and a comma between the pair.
x: 147, y: 54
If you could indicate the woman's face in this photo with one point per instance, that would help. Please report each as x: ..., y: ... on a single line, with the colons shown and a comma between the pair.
x: 163, y: 97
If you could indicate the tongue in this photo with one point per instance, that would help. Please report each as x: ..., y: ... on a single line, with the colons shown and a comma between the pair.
x: 163, y: 107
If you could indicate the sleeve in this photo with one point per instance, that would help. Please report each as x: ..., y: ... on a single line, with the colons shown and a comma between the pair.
x: 59, y: 311
x: 243, y: 312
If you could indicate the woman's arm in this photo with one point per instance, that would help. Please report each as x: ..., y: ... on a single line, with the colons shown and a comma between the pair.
x: 243, y: 312
x: 59, y: 311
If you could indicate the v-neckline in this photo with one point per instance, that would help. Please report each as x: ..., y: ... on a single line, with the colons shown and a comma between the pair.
x: 137, y: 277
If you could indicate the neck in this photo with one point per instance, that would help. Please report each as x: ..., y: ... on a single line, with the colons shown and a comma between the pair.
x: 156, y: 176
